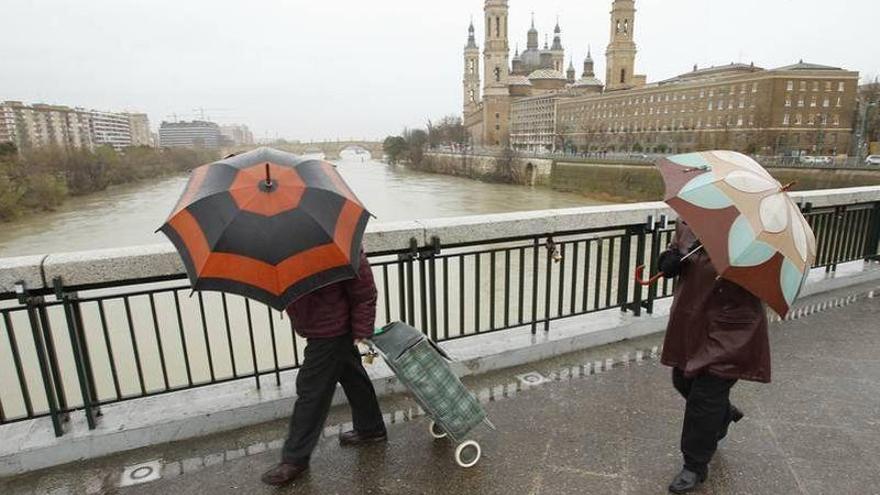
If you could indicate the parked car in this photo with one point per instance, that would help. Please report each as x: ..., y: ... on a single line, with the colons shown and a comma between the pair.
x: 817, y: 160
x: 873, y: 160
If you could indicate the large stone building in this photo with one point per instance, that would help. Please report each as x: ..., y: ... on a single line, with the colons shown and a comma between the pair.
x: 40, y: 125
x: 536, y: 72
x: 797, y: 109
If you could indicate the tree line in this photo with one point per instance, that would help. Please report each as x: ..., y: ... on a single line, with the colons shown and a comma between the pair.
x: 41, y: 179
x: 410, y: 145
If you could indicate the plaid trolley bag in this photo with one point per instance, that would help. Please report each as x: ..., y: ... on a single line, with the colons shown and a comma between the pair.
x: 422, y: 366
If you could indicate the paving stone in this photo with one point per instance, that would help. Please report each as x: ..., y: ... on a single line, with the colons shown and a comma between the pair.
x: 172, y: 469
x: 192, y: 464
x: 214, y: 459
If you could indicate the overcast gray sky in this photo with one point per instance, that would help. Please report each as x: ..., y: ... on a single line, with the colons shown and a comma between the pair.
x: 355, y: 68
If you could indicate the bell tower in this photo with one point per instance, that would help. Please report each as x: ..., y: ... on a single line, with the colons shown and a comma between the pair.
x: 621, y: 53
x: 496, y: 94
x: 471, y: 81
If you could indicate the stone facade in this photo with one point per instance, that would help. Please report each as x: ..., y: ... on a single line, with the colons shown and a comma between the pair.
x: 534, y: 72
x: 533, y: 124
x: 798, y: 109
x: 801, y: 108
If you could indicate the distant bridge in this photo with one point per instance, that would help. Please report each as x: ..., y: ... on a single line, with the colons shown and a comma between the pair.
x: 331, y: 149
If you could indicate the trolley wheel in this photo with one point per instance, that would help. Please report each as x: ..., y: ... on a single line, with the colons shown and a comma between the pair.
x: 436, y: 431
x: 467, y: 454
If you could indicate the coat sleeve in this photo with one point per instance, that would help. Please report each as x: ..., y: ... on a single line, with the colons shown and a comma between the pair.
x: 362, y: 300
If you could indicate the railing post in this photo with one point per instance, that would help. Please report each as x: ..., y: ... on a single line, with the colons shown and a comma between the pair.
x: 32, y: 304
x: 623, y: 273
x: 873, y: 242
x: 407, y: 282
x: 80, y: 351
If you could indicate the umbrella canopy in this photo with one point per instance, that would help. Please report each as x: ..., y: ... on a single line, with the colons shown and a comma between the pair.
x: 267, y: 225
x: 754, y: 233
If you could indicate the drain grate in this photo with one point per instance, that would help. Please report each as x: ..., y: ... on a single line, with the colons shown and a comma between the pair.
x: 141, y: 473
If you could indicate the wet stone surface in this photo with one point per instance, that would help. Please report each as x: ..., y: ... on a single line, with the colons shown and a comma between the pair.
x: 814, y: 430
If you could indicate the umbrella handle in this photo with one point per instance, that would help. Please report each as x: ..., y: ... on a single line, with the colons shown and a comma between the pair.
x: 640, y: 270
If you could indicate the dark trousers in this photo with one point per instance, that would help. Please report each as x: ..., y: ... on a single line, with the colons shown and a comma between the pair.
x: 326, y: 363
x: 706, y: 414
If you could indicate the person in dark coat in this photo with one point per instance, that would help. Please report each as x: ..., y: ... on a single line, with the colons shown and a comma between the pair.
x: 333, y: 319
x: 717, y: 334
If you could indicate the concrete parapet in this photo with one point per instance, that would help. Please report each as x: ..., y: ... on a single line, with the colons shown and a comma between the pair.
x: 160, y: 260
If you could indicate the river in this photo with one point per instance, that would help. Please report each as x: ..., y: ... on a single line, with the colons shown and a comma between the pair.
x: 128, y: 215
x: 148, y: 343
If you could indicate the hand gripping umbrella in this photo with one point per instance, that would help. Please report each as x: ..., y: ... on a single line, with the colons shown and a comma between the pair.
x: 267, y: 225
x: 753, y: 232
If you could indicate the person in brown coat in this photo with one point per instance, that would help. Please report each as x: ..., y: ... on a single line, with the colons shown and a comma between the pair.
x: 333, y: 319
x: 717, y: 334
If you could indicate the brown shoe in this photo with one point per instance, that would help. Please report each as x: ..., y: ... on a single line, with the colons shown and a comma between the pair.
x: 355, y: 437
x: 283, y: 474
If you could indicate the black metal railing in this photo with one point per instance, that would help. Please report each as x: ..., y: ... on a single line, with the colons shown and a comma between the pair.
x: 80, y: 348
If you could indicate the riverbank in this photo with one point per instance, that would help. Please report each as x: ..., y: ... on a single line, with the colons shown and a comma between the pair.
x: 42, y: 180
x: 611, y: 182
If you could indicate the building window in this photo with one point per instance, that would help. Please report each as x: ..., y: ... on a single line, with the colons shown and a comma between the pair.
x: 811, y: 119
x: 824, y: 119
x: 711, y: 93
x: 751, y: 121
x: 800, y: 101
x: 803, y: 85
x: 826, y: 102
x: 836, y: 119
x: 786, y: 119
x: 730, y: 104
x: 739, y: 121
x: 497, y: 27
x: 742, y: 89
x: 839, y: 101
x: 789, y: 85
x: 798, y: 119
x: 813, y: 101
x: 497, y: 115
x: 702, y: 93
x: 788, y: 101
x: 742, y: 103
x: 827, y: 85
x: 840, y: 86
x: 622, y: 76
x: 754, y: 87
x: 815, y: 85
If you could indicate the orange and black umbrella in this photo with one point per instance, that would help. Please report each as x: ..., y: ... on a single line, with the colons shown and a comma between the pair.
x: 267, y: 225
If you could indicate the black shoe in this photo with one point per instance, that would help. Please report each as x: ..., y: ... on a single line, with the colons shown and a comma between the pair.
x: 734, y: 417
x: 686, y: 481
x: 355, y: 437
x: 283, y: 474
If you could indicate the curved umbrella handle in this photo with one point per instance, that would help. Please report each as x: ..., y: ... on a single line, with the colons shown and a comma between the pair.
x: 640, y: 270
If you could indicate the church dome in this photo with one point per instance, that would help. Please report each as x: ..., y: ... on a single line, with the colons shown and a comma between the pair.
x: 587, y: 82
x: 546, y: 74
x: 519, y: 81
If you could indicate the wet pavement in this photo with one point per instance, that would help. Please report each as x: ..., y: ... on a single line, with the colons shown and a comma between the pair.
x: 592, y: 428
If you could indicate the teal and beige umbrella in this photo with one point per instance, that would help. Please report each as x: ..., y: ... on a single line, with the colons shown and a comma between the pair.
x: 753, y: 232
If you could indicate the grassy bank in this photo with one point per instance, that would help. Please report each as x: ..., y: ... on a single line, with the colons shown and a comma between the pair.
x: 622, y: 183
x: 43, y: 179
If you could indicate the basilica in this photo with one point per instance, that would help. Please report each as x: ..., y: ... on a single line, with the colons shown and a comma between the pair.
x: 536, y: 71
